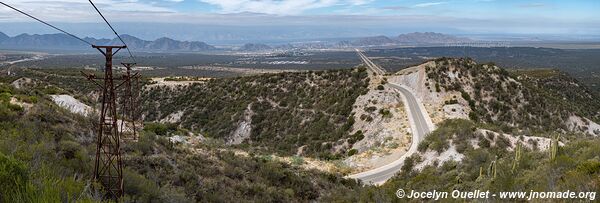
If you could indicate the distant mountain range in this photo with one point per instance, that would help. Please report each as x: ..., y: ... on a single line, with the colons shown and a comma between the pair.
x: 62, y: 41
x: 415, y: 38
x: 65, y: 42
x: 3, y: 37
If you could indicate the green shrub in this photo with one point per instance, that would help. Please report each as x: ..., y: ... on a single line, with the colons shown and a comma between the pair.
x: 358, y: 136
x: 370, y: 109
x: 457, y: 130
x: 297, y: 160
x: 160, y: 128
x: 5, y: 97
x: 473, y: 116
x: 138, y: 188
x: 465, y: 95
x: 352, y: 152
x: 14, y: 179
x: 589, y: 167
x: 450, y: 102
x: 385, y: 113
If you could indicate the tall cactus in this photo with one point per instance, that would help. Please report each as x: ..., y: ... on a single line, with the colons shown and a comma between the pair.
x: 495, y: 166
x: 492, y: 169
x: 517, y: 157
x: 481, y: 176
x: 554, y: 147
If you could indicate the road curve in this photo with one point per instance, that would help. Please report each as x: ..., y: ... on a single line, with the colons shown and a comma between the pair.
x: 419, y: 126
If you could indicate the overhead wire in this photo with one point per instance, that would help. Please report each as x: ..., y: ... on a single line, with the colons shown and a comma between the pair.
x: 114, y: 31
x: 48, y: 24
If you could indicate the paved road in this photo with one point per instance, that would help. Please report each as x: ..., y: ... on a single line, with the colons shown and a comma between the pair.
x: 374, y: 67
x: 420, y: 128
x: 418, y: 116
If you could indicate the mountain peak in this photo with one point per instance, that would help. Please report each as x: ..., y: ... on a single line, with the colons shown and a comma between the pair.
x: 3, y: 36
x: 164, y: 39
x: 62, y: 41
x: 126, y: 36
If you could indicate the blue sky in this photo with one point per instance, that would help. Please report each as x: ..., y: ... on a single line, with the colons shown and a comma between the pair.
x: 574, y: 9
x: 65, y: 10
x: 563, y: 17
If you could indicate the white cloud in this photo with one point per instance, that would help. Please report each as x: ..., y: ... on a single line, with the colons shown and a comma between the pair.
x: 77, y: 10
x: 279, y: 7
x: 423, y: 5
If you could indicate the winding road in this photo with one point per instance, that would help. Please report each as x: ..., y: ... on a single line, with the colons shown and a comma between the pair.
x: 418, y: 119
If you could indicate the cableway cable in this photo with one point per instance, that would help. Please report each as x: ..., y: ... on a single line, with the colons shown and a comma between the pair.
x: 114, y: 31
x: 48, y: 24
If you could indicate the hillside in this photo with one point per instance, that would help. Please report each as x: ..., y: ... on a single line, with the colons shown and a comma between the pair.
x: 218, y: 140
x: 46, y: 155
x: 461, y: 88
x: 494, y: 162
x: 581, y: 64
x: 306, y: 113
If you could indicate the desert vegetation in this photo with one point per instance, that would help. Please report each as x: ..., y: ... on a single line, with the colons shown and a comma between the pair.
x: 46, y: 152
x: 536, y: 101
x: 288, y: 110
x: 46, y: 155
x: 493, y: 167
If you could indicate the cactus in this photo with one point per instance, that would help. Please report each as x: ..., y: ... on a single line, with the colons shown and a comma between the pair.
x: 554, y: 147
x: 492, y: 169
x: 481, y: 176
x: 495, y: 166
x: 517, y: 157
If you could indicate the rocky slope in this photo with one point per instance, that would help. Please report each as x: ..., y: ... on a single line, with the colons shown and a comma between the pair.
x: 461, y: 88
x: 381, y: 120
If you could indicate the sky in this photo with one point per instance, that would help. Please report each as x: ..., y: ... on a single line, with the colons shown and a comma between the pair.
x: 253, y: 19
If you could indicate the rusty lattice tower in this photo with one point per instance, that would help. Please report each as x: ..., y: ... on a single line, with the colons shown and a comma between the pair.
x: 108, y: 166
x: 129, y: 108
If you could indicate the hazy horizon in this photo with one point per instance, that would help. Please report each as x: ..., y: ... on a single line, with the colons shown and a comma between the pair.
x: 268, y: 20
